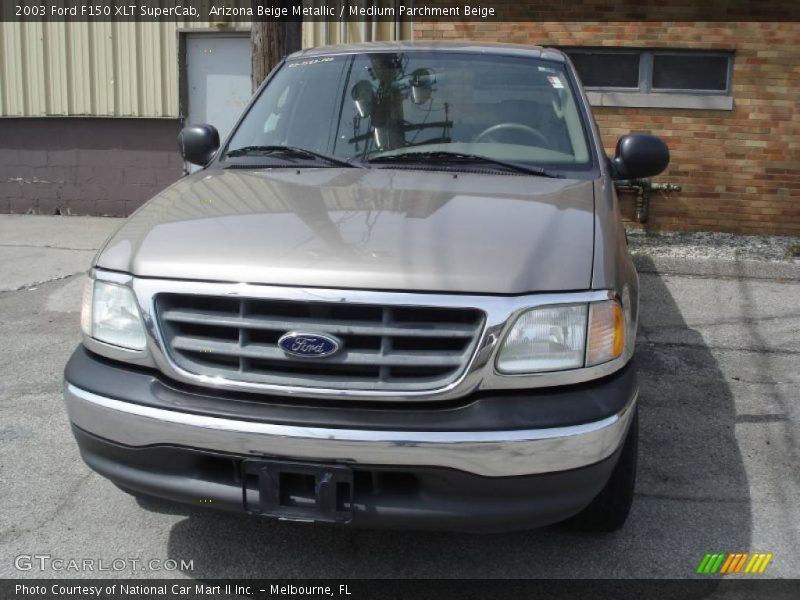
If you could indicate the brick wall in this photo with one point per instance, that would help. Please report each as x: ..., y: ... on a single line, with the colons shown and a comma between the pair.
x: 85, y: 166
x: 740, y: 169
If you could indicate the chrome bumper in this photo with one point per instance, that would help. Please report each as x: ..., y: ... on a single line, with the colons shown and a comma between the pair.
x: 488, y: 453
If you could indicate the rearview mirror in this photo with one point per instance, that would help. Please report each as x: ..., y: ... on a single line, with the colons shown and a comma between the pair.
x: 421, y: 85
x: 639, y: 155
x: 198, y: 143
x: 362, y: 95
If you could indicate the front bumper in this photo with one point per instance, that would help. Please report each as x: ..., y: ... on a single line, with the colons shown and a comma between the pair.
x: 145, y: 434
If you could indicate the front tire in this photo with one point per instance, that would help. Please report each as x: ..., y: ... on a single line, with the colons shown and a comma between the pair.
x: 609, y: 509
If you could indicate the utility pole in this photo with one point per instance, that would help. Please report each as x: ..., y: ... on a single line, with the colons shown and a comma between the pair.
x: 271, y: 40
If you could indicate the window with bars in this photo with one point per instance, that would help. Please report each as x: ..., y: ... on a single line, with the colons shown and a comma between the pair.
x: 655, y: 77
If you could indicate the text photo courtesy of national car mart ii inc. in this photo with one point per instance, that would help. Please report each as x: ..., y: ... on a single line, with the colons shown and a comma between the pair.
x: 180, y: 590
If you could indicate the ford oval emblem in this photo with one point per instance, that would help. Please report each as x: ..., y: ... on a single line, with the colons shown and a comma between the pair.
x: 309, y: 345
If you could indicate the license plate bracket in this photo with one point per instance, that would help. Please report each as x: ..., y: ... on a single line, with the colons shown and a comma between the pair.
x: 298, y: 491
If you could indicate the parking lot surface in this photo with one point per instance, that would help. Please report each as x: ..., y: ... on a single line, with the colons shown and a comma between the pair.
x: 719, y: 362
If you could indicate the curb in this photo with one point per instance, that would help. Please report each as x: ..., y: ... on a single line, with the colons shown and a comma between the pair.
x: 715, y: 267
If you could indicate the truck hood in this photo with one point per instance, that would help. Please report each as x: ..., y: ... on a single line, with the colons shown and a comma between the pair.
x: 387, y: 229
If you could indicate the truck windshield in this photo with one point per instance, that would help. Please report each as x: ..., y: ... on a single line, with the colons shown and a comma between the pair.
x: 363, y: 107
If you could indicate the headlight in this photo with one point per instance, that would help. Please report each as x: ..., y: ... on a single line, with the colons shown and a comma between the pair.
x: 549, y: 338
x: 110, y: 314
x: 569, y: 336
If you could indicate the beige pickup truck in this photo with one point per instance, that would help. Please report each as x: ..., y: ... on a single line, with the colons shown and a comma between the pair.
x: 398, y: 295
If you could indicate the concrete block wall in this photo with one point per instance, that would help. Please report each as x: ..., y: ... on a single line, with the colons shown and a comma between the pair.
x: 85, y: 166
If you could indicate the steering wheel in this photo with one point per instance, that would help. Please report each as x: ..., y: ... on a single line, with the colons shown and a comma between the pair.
x: 530, y: 131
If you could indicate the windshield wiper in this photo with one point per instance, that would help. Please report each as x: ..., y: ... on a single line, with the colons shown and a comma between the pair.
x: 290, y: 152
x: 461, y: 157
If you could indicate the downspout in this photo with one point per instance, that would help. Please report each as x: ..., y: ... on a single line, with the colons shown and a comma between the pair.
x: 343, y: 28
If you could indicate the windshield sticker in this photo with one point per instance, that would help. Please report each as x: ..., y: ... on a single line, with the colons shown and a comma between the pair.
x: 312, y: 61
x: 555, y: 82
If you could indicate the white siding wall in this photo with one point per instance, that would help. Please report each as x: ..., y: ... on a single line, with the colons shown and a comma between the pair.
x: 120, y: 69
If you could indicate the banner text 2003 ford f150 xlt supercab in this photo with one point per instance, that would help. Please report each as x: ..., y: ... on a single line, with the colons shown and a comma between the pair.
x: 398, y: 295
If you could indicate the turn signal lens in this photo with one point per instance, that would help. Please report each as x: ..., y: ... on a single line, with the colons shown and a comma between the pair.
x: 606, y: 338
x: 86, y: 306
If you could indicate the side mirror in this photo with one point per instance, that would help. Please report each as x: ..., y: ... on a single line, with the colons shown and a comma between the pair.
x: 198, y: 143
x: 639, y: 155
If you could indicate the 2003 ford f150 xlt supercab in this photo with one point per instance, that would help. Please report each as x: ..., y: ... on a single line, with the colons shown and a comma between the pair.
x: 398, y: 295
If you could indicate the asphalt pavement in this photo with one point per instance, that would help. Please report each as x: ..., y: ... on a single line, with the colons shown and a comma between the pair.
x: 719, y: 359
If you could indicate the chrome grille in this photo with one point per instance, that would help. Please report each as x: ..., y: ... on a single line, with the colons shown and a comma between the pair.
x: 384, y: 347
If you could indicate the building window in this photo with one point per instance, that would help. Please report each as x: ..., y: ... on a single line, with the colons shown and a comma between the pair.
x: 658, y: 78
x: 696, y: 72
x: 607, y: 69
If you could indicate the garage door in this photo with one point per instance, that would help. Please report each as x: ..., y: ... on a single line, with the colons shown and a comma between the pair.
x: 218, y: 79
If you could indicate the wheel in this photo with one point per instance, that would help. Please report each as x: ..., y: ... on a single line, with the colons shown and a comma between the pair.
x: 529, y: 131
x: 609, y: 509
